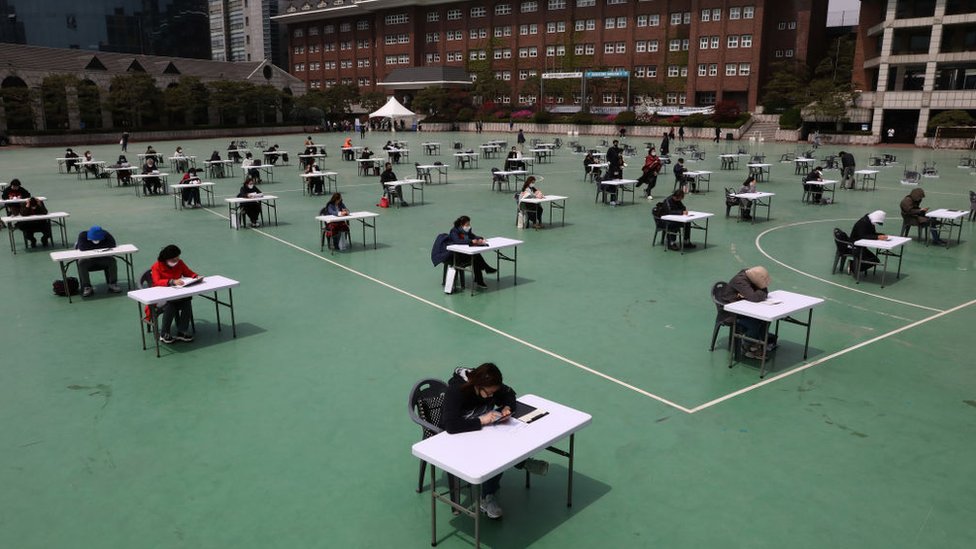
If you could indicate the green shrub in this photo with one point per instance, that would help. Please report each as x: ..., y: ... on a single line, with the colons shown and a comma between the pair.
x: 696, y: 120
x: 790, y: 120
x: 465, y: 115
x: 625, y: 118
x: 582, y: 118
x: 542, y: 117
x: 951, y: 118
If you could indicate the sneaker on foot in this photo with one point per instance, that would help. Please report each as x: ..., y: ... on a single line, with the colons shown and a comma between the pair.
x: 114, y: 288
x: 756, y: 354
x: 184, y: 337
x: 166, y: 338
x: 491, y: 270
x: 491, y: 507
x: 87, y: 292
x: 481, y: 285
x: 536, y: 466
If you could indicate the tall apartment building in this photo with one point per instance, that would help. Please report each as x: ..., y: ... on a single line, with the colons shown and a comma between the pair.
x: 918, y: 58
x: 701, y: 51
x: 243, y: 30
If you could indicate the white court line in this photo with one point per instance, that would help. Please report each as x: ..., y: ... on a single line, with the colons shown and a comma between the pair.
x: 829, y: 357
x: 825, y: 281
x: 469, y: 319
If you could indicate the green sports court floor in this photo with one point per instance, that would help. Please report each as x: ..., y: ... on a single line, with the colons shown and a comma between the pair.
x: 296, y: 433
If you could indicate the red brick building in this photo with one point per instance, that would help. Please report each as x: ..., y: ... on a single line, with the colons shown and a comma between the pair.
x: 698, y: 51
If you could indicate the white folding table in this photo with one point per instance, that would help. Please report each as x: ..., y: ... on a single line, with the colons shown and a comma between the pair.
x: 269, y: 201
x: 57, y: 218
x: 758, y: 200
x: 330, y: 180
x: 886, y: 248
x: 952, y: 219
x: 363, y: 218
x: 205, y: 186
x: 66, y: 258
x: 555, y: 202
x: 494, y: 244
x: 691, y: 219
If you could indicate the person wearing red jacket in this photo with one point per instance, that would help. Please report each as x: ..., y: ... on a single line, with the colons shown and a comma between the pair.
x: 169, y: 270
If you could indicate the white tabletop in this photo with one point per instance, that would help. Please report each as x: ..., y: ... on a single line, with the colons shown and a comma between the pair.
x: 190, y: 185
x: 546, y: 198
x: 22, y: 218
x: 698, y: 173
x: 21, y: 200
x: 477, y: 456
x: 71, y: 255
x: 753, y: 196
x: 599, y: 165
x: 759, y: 165
x: 506, y: 173
x: 144, y: 175
x: 218, y: 162
x: 492, y: 146
x: 317, y: 174
x: 866, y: 172
x: 692, y: 216
x: 821, y: 183
x: 494, y: 243
x: 156, y: 295
x: 889, y: 243
x: 316, y: 155
x: 465, y: 154
x: 542, y: 150
x: 430, y: 166
x: 778, y: 304
x: 373, y: 160
x: 184, y: 157
x: 430, y: 143
x: 799, y: 160
x: 402, y: 182
x: 261, y: 198
x: 943, y: 213
x: 618, y: 182
x: 351, y: 215
x: 279, y: 153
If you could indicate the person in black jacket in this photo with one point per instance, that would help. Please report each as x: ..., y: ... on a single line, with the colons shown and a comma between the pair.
x: 864, y: 228
x: 151, y: 185
x: 252, y: 209
x: 97, y: 238
x: 751, y: 284
x: 665, y: 145
x: 615, y: 158
x: 673, y: 205
x: 476, y: 398
x: 847, y: 166
x: 13, y: 192
x: 816, y: 191
x: 461, y: 234
x: 388, y: 176
x: 33, y: 206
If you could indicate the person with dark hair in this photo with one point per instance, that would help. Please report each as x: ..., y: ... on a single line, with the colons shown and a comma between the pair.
x: 751, y: 284
x: 615, y: 158
x: 514, y: 160
x: 665, y: 145
x: 315, y: 184
x: 533, y: 212
x: 673, y: 205
x: 520, y: 139
x: 335, y: 229
x: 679, y: 175
x: 169, y: 270
x: 718, y: 134
x: 13, y: 192
x: 71, y: 160
x: 388, y: 176
x: 151, y: 185
x: 816, y: 191
x: 476, y: 398
x: 865, y: 229
x: 33, y: 206
x: 93, y: 169
x: 97, y: 238
x: 182, y: 161
x: 250, y: 167
x: 191, y: 195
x: 125, y: 141
x: 216, y: 170
x: 681, y: 132
x: 745, y: 205
x: 123, y: 176
x: 649, y: 171
x: 461, y: 234
x: 252, y: 209
x: 847, y: 165
x: 232, y: 153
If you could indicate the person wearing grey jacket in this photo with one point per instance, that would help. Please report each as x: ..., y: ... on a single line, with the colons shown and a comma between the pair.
x: 751, y: 284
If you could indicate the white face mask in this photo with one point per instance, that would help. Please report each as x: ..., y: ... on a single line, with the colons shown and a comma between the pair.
x: 95, y: 241
x: 466, y: 228
x: 250, y: 185
x: 173, y: 262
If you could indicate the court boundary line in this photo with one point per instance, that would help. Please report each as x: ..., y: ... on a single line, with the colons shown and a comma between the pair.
x: 476, y: 322
x: 824, y: 280
x: 831, y: 356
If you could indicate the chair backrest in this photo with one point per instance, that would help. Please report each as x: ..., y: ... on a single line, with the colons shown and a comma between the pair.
x: 425, y: 405
x: 972, y: 198
x: 729, y: 199
x: 145, y: 281
x: 717, y: 288
x: 843, y: 242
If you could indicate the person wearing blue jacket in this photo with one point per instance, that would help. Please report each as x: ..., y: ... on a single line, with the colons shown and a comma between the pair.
x: 461, y: 234
x: 97, y: 238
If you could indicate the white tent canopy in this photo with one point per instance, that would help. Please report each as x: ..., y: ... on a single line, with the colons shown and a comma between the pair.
x: 392, y: 109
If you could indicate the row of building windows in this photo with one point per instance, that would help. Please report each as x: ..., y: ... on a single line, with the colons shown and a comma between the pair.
x: 317, y: 84
x: 676, y: 18
x: 609, y: 98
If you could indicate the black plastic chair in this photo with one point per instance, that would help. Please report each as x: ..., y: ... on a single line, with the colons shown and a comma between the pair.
x: 909, y: 221
x: 145, y: 281
x: 972, y: 205
x: 844, y: 250
x: 721, y: 319
x: 424, y: 406
x: 730, y: 201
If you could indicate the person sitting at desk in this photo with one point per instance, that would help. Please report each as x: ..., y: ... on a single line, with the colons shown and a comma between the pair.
x: 91, y: 168
x: 514, y: 160
x: 533, y: 212
x: 366, y: 153
x: 97, y: 238
x: 673, y: 205
x: 33, y: 206
x: 751, y: 284
x: 615, y: 158
x: 150, y: 151
x: 250, y: 167
x: 190, y: 195
x: 388, y: 176
x: 347, y: 152
x: 681, y: 180
x: 913, y: 213
x: 14, y: 192
x: 71, y: 160
x: 217, y: 170
x: 864, y: 229
x: 182, y: 162
x: 649, y: 171
x: 461, y: 234
x: 394, y: 152
x: 476, y: 398
x: 253, y: 209
x: 232, y: 153
x: 816, y: 191
x: 151, y: 185
x: 745, y: 205
x: 124, y: 176
x: 588, y: 162
x: 315, y: 184
x: 169, y: 270
x: 334, y: 230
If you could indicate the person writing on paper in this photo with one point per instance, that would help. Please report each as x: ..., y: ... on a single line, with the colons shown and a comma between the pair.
x: 865, y: 229
x: 673, y: 205
x: 151, y: 185
x: 71, y: 160
x: 462, y: 234
x: 169, y: 270
x: 514, y: 160
x: 334, y: 230
x: 190, y: 195
x: 533, y: 212
x: 347, y: 152
x: 388, y: 176
x: 315, y: 184
x: 182, y: 162
x: 97, y: 238
x: 751, y: 284
x: 33, y: 206
x: 816, y: 191
x: 745, y: 205
x: 476, y: 398
x: 913, y: 213
x: 252, y: 209
x: 15, y: 191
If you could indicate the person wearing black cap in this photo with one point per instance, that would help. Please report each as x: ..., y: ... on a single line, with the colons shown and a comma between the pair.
x: 96, y: 238
x: 169, y: 270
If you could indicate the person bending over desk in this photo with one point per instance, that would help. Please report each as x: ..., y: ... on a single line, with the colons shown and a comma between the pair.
x: 476, y: 398
x: 124, y: 176
x: 252, y: 209
x: 232, y: 153
x: 673, y: 205
x: 748, y: 186
x: 514, y: 160
x: 864, y: 229
x: 34, y: 206
x: 191, y: 195
x: 533, y: 212
x: 13, y: 192
x: 91, y: 168
x: 169, y: 270
x: 816, y: 191
x: 71, y: 160
x: 151, y: 185
x: 913, y: 213
x: 315, y: 184
x: 250, y: 167
x: 387, y: 176
x: 216, y: 169
x: 462, y: 234
x: 751, y: 284
x: 335, y: 229
x: 97, y: 238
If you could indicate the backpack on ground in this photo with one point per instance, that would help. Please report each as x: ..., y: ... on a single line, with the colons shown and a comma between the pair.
x: 73, y: 286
